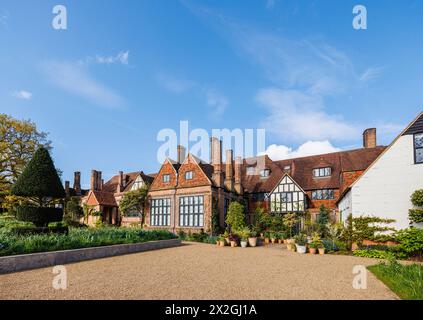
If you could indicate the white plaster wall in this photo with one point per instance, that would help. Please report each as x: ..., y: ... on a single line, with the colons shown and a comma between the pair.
x: 385, y: 189
x: 345, y: 206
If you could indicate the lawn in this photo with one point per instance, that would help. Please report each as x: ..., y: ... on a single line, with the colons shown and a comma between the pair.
x: 405, y: 280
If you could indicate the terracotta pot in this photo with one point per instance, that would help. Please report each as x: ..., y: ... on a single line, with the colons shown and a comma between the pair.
x: 273, y: 240
x: 244, y: 244
x: 321, y: 251
x: 252, y: 241
x: 266, y: 240
x: 285, y: 241
x: 222, y: 243
x: 218, y: 243
x: 233, y: 244
x: 280, y: 241
x: 312, y: 250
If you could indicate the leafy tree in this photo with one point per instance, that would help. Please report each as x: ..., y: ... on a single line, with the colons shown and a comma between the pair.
x: 73, y: 209
x: 236, y: 216
x: 290, y: 220
x: 135, y: 200
x: 40, y: 184
x: 19, y: 139
x: 416, y: 215
x: 334, y: 232
x: 322, y: 220
x: 261, y: 220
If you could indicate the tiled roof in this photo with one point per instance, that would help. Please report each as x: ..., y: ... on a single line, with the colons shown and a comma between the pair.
x: 105, y: 198
x: 112, y: 184
x: 301, y: 169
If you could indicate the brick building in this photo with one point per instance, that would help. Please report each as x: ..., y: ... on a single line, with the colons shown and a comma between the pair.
x: 184, y: 193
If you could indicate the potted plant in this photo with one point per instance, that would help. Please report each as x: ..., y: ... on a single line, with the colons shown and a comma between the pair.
x: 221, y: 241
x: 226, y: 237
x: 267, y: 237
x: 244, y: 234
x: 233, y: 238
x: 290, y: 244
x: 301, y: 242
x: 321, y: 249
x: 281, y: 237
x: 315, y: 243
x: 273, y: 237
x: 252, y: 240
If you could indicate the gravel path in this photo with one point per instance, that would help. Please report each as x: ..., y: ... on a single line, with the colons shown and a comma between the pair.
x: 201, y: 271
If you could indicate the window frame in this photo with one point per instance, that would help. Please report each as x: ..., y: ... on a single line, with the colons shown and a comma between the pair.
x: 415, y: 148
x: 330, y: 194
x: 323, y: 172
x: 166, y: 176
x: 191, y: 208
x: 191, y: 173
x: 160, y: 208
x: 265, y: 173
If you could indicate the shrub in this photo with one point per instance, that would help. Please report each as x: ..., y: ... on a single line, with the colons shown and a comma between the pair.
x: 39, y: 216
x: 236, y: 216
x: 415, y: 215
x: 290, y: 220
x: 39, y: 230
x: 411, y: 241
x: 377, y: 254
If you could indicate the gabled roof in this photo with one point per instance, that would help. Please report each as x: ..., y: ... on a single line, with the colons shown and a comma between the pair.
x: 416, y: 124
x: 112, y: 184
x: 290, y: 178
x: 102, y: 198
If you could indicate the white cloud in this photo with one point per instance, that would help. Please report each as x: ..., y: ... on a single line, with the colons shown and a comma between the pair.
x: 297, y: 116
x: 281, y: 152
x: 4, y: 19
x: 216, y: 101
x: 174, y: 84
x: 22, y: 94
x: 371, y: 74
x: 77, y: 80
x: 122, y: 57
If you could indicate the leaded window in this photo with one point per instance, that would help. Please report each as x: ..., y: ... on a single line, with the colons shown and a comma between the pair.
x: 160, y: 212
x: 191, y: 211
x: 166, y: 178
x: 287, y: 197
x: 189, y: 175
x: 323, y: 194
x: 418, y: 147
x: 322, y: 172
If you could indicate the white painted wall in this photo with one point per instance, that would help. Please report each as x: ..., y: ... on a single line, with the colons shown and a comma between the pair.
x: 385, y: 189
x: 345, y: 206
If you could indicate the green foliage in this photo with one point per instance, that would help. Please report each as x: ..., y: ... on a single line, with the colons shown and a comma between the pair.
x: 290, y: 220
x: 39, y: 179
x: 363, y: 228
x: 73, y: 211
x: 244, y: 233
x: 405, y: 280
x: 216, y: 229
x: 417, y: 198
x: 11, y: 244
x: 301, y: 239
x: 236, y: 216
x: 18, y: 141
x: 39, y: 230
x: 333, y: 232
x: 411, y: 241
x: 39, y: 216
x: 316, y: 241
x: 261, y: 220
x: 322, y: 220
x: 376, y: 254
x: 415, y: 215
x: 135, y: 200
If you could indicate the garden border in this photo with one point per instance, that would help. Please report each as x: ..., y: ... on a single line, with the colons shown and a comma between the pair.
x: 10, y: 264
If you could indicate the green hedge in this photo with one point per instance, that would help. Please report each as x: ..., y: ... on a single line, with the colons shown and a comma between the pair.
x: 40, y: 216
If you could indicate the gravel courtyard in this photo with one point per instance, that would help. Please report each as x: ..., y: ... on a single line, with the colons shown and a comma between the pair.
x: 201, y: 271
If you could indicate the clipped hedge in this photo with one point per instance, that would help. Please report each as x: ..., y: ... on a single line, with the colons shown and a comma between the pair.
x: 39, y: 216
x: 22, y: 231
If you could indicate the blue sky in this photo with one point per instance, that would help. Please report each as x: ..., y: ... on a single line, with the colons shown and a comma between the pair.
x: 124, y: 70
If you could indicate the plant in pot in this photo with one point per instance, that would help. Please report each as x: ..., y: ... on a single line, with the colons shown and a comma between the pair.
x: 315, y: 243
x: 244, y: 234
x: 221, y: 241
x: 226, y: 237
x: 234, y: 239
x: 267, y: 237
x: 321, y: 248
x: 273, y: 237
x: 301, y: 243
x: 252, y: 240
x: 281, y: 236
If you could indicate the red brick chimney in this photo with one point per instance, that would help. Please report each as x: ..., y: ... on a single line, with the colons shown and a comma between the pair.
x: 369, y: 138
x: 238, y: 175
x: 93, y: 180
x: 67, y: 185
x: 99, y: 181
x: 229, y: 172
x: 181, y: 154
x: 120, y: 186
x: 77, y: 182
x: 216, y: 160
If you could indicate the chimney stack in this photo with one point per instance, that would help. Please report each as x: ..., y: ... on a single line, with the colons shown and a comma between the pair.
x: 229, y: 173
x: 67, y: 185
x: 369, y: 138
x: 93, y: 180
x: 216, y: 160
x: 238, y: 175
x: 77, y: 182
x: 120, y: 182
x: 99, y: 181
x: 181, y: 154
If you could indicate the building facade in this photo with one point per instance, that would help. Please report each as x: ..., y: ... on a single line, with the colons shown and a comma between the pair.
x: 385, y: 188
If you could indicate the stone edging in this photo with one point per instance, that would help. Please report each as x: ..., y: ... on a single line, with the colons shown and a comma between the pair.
x: 11, y: 264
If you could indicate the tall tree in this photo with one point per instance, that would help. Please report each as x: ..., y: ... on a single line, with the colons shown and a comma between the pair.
x: 19, y: 139
x: 135, y: 201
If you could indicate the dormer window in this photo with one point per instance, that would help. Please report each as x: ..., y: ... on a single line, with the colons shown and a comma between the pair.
x: 166, y: 178
x: 287, y: 168
x: 265, y: 173
x: 322, y: 172
x: 418, y: 147
x: 189, y: 175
